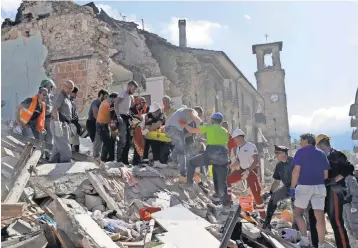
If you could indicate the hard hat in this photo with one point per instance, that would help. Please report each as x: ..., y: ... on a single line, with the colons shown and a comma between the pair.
x: 321, y: 137
x: 237, y: 132
x: 140, y: 99
x: 47, y: 82
x: 154, y: 107
x: 217, y: 116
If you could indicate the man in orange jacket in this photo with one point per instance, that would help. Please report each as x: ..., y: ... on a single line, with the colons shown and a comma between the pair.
x: 30, y: 114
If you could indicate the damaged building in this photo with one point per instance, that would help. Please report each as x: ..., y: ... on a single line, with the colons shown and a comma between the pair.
x: 64, y: 40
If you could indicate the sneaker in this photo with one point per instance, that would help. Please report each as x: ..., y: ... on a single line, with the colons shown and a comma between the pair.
x: 303, y: 243
x: 215, y: 199
x: 182, y: 180
x: 157, y: 164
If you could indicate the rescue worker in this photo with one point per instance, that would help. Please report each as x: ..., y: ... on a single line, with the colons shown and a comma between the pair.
x: 75, y: 126
x: 122, y: 106
x: 91, y: 122
x: 216, y: 154
x: 139, y: 109
x: 31, y: 114
x: 245, y: 167
x: 61, y: 119
x: 153, y: 121
x: 175, y: 132
x: 168, y: 108
x: 335, y: 186
x: 282, y: 173
x: 104, y: 129
x: 50, y: 86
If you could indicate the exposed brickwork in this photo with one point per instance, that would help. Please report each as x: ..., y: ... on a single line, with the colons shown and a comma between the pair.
x: 75, y: 70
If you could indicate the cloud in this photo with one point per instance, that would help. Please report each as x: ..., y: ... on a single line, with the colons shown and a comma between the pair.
x: 199, y: 33
x: 116, y: 14
x: 333, y: 120
x: 10, y: 6
x: 247, y: 17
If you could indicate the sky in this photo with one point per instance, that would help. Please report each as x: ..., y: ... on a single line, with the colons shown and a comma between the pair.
x: 320, y: 47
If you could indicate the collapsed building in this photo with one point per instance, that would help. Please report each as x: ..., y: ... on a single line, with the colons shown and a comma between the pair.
x: 353, y: 112
x: 64, y: 40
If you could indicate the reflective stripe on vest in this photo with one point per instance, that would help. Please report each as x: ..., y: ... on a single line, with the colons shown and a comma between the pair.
x: 26, y: 114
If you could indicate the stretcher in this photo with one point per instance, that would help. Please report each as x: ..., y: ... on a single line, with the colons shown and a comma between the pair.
x: 157, y: 135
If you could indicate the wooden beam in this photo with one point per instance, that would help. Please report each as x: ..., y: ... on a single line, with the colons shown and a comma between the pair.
x: 12, y: 209
x: 148, y: 235
x: 22, y: 179
x: 99, y: 187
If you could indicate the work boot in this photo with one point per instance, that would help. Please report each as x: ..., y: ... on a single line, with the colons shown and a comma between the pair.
x: 266, y: 225
x: 215, y: 199
x: 158, y: 164
x: 182, y: 180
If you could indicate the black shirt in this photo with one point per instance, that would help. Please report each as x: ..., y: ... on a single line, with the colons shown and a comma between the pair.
x: 153, y: 119
x: 283, y: 172
x: 27, y: 102
x: 339, y: 165
x: 74, y: 111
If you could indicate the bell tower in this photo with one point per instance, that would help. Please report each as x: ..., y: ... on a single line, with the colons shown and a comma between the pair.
x: 270, y: 78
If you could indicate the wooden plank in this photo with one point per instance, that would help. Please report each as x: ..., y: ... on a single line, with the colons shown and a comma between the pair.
x: 12, y: 209
x: 148, y: 235
x: 22, y: 179
x: 99, y: 187
x: 62, y: 237
x: 21, y: 163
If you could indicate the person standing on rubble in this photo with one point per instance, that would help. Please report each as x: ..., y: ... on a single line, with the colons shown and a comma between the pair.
x: 175, y: 132
x: 335, y: 187
x: 75, y: 125
x: 139, y: 109
x: 122, y: 107
x: 60, y: 124
x: 216, y: 154
x: 282, y: 173
x: 91, y: 122
x: 30, y: 114
x: 245, y: 167
x: 50, y: 86
x: 168, y: 108
x: 307, y: 185
x: 104, y: 128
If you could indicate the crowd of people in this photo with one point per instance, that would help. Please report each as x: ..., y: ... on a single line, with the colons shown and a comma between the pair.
x: 314, y: 179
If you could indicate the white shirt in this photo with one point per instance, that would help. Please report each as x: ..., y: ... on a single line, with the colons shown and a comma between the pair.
x: 125, y: 104
x: 244, y: 155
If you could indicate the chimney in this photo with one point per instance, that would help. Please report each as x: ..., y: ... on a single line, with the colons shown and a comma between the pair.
x: 182, y: 33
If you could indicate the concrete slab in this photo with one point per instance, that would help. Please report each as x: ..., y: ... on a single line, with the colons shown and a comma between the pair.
x: 62, y: 178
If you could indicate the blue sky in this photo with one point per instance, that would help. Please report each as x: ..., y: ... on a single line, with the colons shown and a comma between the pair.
x: 320, y: 46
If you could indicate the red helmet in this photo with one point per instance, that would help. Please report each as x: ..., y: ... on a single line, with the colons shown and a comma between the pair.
x: 139, y: 100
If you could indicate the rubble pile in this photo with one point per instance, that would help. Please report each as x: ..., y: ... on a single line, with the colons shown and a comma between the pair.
x: 87, y: 204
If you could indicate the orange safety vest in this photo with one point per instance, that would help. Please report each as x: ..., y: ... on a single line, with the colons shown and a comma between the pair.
x: 25, y: 114
x: 143, y: 110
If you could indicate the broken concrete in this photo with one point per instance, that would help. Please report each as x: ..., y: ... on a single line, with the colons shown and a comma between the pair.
x: 61, y: 179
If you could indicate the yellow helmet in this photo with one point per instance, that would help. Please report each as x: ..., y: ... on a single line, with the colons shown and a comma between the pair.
x: 321, y: 137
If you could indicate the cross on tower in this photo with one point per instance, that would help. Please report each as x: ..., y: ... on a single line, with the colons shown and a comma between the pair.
x: 266, y: 36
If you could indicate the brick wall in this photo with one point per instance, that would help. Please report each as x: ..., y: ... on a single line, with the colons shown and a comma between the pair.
x: 75, y: 70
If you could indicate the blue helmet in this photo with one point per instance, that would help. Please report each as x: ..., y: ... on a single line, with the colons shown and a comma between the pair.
x: 217, y: 116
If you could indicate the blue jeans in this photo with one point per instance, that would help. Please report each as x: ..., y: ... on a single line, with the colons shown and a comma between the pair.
x: 178, y: 152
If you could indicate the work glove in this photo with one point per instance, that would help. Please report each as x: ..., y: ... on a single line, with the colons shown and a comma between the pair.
x: 58, y: 128
x: 290, y: 235
x: 245, y: 174
x: 292, y: 193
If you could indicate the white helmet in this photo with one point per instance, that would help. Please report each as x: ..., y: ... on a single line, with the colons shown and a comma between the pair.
x: 154, y: 107
x: 237, y: 132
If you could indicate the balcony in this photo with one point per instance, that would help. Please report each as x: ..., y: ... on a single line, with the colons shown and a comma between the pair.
x: 354, y: 122
x: 355, y: 149
x: 353, y: 111
x: 355, y: 134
